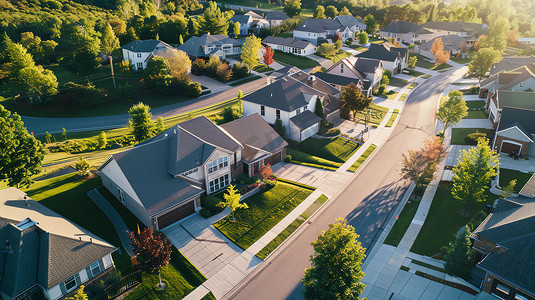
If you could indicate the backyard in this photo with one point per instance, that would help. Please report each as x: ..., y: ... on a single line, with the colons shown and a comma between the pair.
x: 324, y: 153
x: 301, y: 62
x: 265, y: 210
x: 444, y: 220
x: 458, y: 134
x: 506, y: 175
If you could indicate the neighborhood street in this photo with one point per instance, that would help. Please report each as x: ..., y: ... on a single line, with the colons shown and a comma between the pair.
x: 365, y: 202
x: 55, y: 125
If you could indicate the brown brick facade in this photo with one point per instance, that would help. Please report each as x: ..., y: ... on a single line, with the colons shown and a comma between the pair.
x: 498, y: 144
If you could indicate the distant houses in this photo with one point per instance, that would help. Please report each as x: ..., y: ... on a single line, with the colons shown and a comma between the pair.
x: 406, y: 32
x: 318, y: 31
x: 453, y: 44
x: 211, y: 44
x: 290, y: 45
x: 275, y: 18
x: 139, y: 52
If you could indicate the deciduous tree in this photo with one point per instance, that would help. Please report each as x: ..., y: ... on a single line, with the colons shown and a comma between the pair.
x: 419, y: 166
x: 458, y: 255
x: 331, y: 11
x: 482, y: 61
x: 344, y: 12
x: 412, y: 62
x: 153, y: 251
x: 319, y: 12
x: 335, y: 271
x: 213, y: 21
x: 83, y: 167
x: 473, y: 172
x: 179, y: 64
x: 292, y: 7
x: 250, y: 51
x: 441, y: 56
x: 453, y: 110
x: 327, y: 50
x: 363, y: 38
x: 371, y: 24
x: 140, y: 122
x: 268, y: 56
x: 108, y: 40
x: 21, y: 155
x: 353, y: 99
x: 232, y: 200
x: 79, y: 295
x: 157, y: 66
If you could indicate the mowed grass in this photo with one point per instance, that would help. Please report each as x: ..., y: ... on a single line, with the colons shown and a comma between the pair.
x: 177, y: 286
x: 458, y: 134
x: 506, y: 175
x: 265, y: 210
x: 340, y: 55
x: 336, y: 149
x: 392, y: 118
x: 362, y: 158
x: 403, y: 97
x: 397, y: 82
x: 245, y: 80
x: 402, y: 223
x: 302, y: 158
x: 293, y: 60
x: 444, y: 220
x: 476, y: 114
x: 423, y: 62
x: 378, y: 113
x: 475, y: 104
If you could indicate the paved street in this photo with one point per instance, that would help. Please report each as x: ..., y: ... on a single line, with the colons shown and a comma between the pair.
x: 366, y: 202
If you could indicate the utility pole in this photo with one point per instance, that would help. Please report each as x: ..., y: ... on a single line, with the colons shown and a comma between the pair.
x: 112, y: 74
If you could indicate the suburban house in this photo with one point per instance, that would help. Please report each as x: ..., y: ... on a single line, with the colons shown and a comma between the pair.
x: 504, y: 98
x: 319, y: 31
x: 515, y: 132
x: 453, y: 44
x: 406, y: 32
x: 290, y: 45
x: 275, y: 17
x: 519, y: 79
x: 394, y: 59
x: 246, y: 21
x: 506, y: 239
x: 139, y: 52
x: 467, y: 30
x: 211, y: 44
x: 354, y: 24
x: 369, y: 71
x: 292, y: 99
x: 162, y: 179
x: 258, y: 22
x: 509, y: 63
x: 530, y: 41
x: 42, y: 254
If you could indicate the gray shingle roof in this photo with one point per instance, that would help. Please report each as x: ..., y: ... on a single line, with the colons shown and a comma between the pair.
x: 340, y: 80
x: 514, y: 99
x: 511, y: 63
x: 511, y: 115
x: 367, y: 65
x: 403, y: 27
x: 194, y: 44
x: 457, y: 26
x: 349, y: 21
x: 319, y: 84
x: 528, y: 189
x: 276, y: 15
x: 379, y: 52
x: 451, y: 42
x: 288, y: 42
x: 305, y: 119
x: 145, y: 45
x: 45, y: 253
x: 242, y: 19
x: 318, y: 25
x: 256, y: 135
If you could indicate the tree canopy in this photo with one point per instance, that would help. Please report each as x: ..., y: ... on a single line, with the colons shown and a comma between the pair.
x: 140, y: 122
x: 353, y: 99
x: 213, y: 21
x: 453, y: 110
x: 250, y: 51
x: 482, y: 61
x: 292, y: 7
x: 153, y: 251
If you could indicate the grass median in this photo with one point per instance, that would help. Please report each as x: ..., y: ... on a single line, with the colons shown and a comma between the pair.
x: 393, y: 118
x: 362, y: 158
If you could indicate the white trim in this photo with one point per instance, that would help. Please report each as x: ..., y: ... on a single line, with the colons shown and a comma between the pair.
x: 504, y: 130
x: 511, y: 142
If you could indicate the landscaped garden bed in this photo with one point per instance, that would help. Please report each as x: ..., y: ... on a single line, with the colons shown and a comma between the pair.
x: 265, y: 210
x: 506, y: 175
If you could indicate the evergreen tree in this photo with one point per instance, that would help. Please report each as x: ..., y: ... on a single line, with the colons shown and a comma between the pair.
x: 335, y: 272
x: 102, y: 140
x: 318, y: 110
x: 319, y: 13
x: 108, y: 40
x: 363, y: 38
x: 458, y: 255
x: 250, y: 51
x: 192, y: 28
x: 83, y: 167
x: 140, y: 122
x: 160, y: 126
x: 213, y: 21
x: 21, y: 155
x: 236, y: 29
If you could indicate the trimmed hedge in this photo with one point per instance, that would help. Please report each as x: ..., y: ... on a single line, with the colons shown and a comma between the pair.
x: 210, y: 203
x: 471, y: 139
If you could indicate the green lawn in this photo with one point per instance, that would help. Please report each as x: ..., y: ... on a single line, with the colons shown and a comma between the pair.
x: 402, y: 223
x: 476, y: 114
x: 458, y: 134
x: 245, y: 80
x: 306, y: 159
x: 362, y: 158
x: 397, y: 82
x: 413, y: 85
x: 281, y: 237
x: 475, y: 104
x: 377, y: 116
x: 391, y: 95
x: 301, y: 62
x: 416, y: 73
x: 461, y: 60
x: 444, y: 220
x: 402, y: 98
x: 426, y: 76
x: 265, y: 210
x: 285, y: 34
x: 441, y: 67
x: 336, y: 149
x: 423, y: 62
x: 263, y: 68
x: 392, y: 118
x: 177, y: 286
x: 506, y: 175
x: 340, y: 55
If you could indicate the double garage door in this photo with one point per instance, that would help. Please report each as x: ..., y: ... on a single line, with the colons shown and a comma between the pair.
x: 176, y: 214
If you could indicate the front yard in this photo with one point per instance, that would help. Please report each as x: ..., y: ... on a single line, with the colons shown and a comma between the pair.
x: 301, y: 62
x: 362, y: 158
x: 402, y: 223
x: 444, y: 220
x: 476, y: 114
x: 506, y: 175
x: 458, y: 134
x: 378, y: 113
x: 323, y: 153
x: 397, y: 82
x: 266, y: 209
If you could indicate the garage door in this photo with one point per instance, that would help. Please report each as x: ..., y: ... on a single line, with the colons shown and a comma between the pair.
x: 508, y: 147
x: 176, y: 215
x: 273, y: 159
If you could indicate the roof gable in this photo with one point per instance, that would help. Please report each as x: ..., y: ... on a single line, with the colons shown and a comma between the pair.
x: 276, y: 15
x: 380, y: 52
x: 146, y: 46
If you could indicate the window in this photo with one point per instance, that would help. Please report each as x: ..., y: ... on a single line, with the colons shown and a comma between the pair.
x: 140, y: 65
x: 95, y: 268
x: 222, y: 162
x: 212, y: 166
x: 278, y: 114
x: 262, y: 110
x: 219, y: 183
x: 190, y: 172
x: 341, y: 68
x: 298, y: 111
x: 70, y: 283
x: 217, y: 164
x: 139, y: 55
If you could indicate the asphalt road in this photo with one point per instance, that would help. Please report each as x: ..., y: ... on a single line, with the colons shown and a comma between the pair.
x: 55, y: 125
x: 365, y: 202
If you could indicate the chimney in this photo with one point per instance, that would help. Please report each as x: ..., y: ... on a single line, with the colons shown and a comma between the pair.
x: 311, y: 81
x: 91, y: 240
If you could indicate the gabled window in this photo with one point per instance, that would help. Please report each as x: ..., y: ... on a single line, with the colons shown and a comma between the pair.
x: 342, y: 68
x: 139, y: 55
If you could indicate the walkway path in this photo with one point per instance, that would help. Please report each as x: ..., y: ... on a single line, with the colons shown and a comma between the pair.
x: 115, y: 218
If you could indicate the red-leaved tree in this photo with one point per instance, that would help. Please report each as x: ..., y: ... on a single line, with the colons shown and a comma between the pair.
x: 420, y: 165
x: 152, y: 251
x: 265, y: 172
x: 268, y: 56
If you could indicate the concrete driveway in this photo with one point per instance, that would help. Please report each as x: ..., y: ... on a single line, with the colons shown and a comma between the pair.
x: 205, y: 246
x: 210, y: 83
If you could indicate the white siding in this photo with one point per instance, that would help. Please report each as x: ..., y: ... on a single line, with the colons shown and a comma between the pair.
x: 305, y: 134
x: 220, y: 172
x: 113, y: 171
x: 295, y: 133
x: 270, y: 116
x: 108, y: 261
x: 54, y: 292
x: 134, y: 59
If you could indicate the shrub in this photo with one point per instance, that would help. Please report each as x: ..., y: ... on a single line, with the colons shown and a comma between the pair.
x: 381, y: 89
x: 223, y: 73
x: 288, y: 158
x: 83, y: 93
x: 332, y: 132
x: 472, y: 138
x: 270, y: 183
x: 476, y: 220
x: 385, y: 80
x: 210, y: 203
x: 241, y: 178
x: 349, y: 42
x: 239, y: 70
x: 387, y: 73
x: 193, y: 89
x: 212, y: 66
x: 205, y: 213
x: 198, y: 66
x: 231, y: 113
x: 474, y: 90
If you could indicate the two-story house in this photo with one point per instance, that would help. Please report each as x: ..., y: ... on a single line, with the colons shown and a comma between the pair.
x: 519, y: 79
x: 515, y: 132
x: 245, y: 21
x: 393, y: 58
x: 162, y: 179
x: 258, y: 22
x: 370, y: 71
x: 292, y: 99
x: 211, y: 44
x: 275, y: 17
x: 406, y: 32
x: 42, y: 254
x: 139, y: 52
x: 290, y: 45
x: 319, y: 31
x: 503, y: 98
x: 506, y: 239
x: 355, y: 25
x: 470, y: 31
x: 509, y: 63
